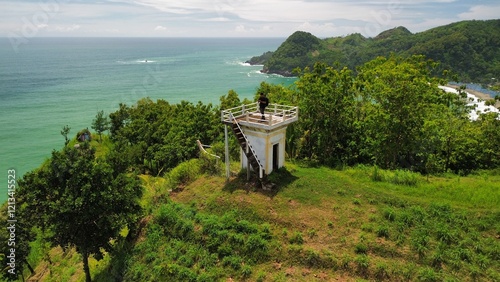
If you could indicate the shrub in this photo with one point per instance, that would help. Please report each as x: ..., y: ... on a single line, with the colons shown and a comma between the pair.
x: 428, y: 274
x: 360, y: 248
x: 345, y: 262
x: 312, y: 233
x: 297, y: 238
x: 184, y: 173
x: 389, y: 214
x: 232, y: 261
x: 383, y: 231
x: 420, y: 242
x: 256, y: 247
x: 404, y: 177
x: 381, y: 272
x: 261, y: 276
x: 377, y: 175
x: 362, y: 263
x: 312, y: 258
x: 246, y: 271
x: 445, y: 235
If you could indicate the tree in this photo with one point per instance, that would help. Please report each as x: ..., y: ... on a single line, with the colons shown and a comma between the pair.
x: 100, y: 124
x: 64, y: 132
x: 82, y: 201
x: 398, y: 92
x: 326, y: 101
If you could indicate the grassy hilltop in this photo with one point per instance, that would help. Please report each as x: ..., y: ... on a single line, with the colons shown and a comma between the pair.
x: 319, y: 224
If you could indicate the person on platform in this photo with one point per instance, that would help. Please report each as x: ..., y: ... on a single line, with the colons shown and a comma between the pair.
x: 263, y: 103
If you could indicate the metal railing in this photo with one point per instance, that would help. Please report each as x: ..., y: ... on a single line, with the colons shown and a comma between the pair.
x: 248, y: 146
x: 275, y: 114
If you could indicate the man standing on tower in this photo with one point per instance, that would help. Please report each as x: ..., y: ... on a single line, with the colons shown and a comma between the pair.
x: 263, y: 102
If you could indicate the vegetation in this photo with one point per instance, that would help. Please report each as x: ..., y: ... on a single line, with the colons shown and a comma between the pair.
x: 100, y: 124
x: 470, y: 49
x: 79, y: 201
x: 388, y: 179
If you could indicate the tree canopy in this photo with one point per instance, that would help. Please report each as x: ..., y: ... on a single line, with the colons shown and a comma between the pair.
x: 80, y: 201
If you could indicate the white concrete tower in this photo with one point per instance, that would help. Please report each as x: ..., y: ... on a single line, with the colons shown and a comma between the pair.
x: 262, y: 141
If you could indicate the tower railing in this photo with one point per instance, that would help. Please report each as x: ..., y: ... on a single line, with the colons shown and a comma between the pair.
x: 275, y: 114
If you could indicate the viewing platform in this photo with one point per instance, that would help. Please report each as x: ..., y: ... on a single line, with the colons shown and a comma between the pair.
x: 276, y: 116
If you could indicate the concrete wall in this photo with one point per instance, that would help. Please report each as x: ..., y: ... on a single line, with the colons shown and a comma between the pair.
x: 262, y: 142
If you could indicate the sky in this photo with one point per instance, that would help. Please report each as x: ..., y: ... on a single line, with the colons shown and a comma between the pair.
x: 23, y: 19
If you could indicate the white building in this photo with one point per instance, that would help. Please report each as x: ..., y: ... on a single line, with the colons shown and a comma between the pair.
x: 262, y: 141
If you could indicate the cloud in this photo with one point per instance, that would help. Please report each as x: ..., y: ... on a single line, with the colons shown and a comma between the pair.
x: 323, y: 18
x: 481, y: 12
x: 68, y: 28
x: 160, y: 28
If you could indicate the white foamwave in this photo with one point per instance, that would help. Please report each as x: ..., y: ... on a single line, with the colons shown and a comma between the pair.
x: 480, y: 104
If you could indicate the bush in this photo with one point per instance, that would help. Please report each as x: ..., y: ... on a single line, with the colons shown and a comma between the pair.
x: 378, y: 175
x: 383, y: 231
x: 362, y: 263
x: 297, y: 238
x: 246, y: 271
x: 184, y: 173
x: 404, y: 177
x: 389, y: 214
x: 360, y: 248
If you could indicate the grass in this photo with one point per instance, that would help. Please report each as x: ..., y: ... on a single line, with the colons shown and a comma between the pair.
x: 318, y: 223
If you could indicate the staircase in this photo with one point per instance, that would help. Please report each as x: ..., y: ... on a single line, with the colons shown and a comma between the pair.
x: 247, y: 149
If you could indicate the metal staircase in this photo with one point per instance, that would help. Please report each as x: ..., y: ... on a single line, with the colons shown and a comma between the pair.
x: 247, y: 148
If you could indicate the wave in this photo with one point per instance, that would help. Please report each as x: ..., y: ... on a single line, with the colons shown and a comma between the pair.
x: 480, y: 105
x: 136, y: 62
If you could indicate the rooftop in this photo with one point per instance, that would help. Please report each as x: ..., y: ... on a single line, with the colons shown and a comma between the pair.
x: 249, y: 115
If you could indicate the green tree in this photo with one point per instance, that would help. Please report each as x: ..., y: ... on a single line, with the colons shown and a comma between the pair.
x: 231, y: 100
x: 100, y: 124
x: 326, y: 101
x: 397, y: 92
x: 64, y: 132
x: 80, y: 201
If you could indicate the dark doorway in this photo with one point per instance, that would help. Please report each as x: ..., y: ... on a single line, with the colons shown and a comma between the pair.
x: 276, y: 156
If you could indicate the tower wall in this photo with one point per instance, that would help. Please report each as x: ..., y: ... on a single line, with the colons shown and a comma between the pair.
x: 263, y: 142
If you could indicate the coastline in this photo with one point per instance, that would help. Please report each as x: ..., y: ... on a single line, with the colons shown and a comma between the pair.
x: 478, y: 94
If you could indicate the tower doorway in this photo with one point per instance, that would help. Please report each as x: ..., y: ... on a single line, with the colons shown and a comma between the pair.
x: 276, y: 156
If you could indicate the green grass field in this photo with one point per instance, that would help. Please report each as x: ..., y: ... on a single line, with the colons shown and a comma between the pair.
x: 317, y: 224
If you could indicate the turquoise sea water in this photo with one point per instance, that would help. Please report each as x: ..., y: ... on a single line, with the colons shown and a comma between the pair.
x: 52, y: 82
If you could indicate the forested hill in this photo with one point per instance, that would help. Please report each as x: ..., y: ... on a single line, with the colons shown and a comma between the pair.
x: 470, y: 49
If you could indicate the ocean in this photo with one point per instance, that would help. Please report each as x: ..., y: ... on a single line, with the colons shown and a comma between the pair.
x: 48, y: 83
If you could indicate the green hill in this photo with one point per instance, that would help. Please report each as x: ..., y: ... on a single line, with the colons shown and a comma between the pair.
x: 470, y: 49
x: 318, y: 224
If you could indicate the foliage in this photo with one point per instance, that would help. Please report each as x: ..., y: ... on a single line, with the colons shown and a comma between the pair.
x: 64, y: 132
x: 469, y: 49
x: 154, y: 137
x: 79, y: 201
x: 294, y: 52
x: 100, y: 124
x: 202, y: 246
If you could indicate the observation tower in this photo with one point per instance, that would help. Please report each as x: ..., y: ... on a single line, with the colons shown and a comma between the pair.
x: 262, y: 141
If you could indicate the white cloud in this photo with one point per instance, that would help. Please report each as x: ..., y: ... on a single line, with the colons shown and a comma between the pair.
x: 323, y: 18
x: 160, y: 28
x: 68, y: 28
x: 324, y: 28
x: 481, y: 12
